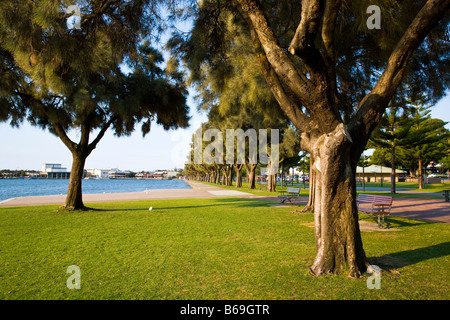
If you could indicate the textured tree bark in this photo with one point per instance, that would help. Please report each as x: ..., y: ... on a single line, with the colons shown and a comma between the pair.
x: 271, y: 182
x: 251, y: 168
x: 238, y: 168
x: 338, y: 239
x: 74, y: 199
x: 421, y: 185
x: 224, y: 175
x: 217, y: 175
x: 229, y: 175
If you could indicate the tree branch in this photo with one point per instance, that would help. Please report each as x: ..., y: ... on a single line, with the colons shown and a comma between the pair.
x: 312, y: 94
x: 64, y: 137
x: 276, y: 56
x: 328, y: 28
x: 303, y: 42
x: 290, y: 108
x: 100, y: 135
x: 372, y: 107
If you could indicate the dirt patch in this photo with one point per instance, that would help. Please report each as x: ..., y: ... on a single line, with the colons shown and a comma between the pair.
x: 371, y: 227
x: 364, y: 226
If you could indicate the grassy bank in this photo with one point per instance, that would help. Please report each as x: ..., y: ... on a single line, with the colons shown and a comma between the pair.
x: 221, y: 248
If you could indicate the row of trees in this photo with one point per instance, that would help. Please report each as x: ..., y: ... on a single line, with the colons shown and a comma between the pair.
x: 224, y: 173
x: 407, y: 137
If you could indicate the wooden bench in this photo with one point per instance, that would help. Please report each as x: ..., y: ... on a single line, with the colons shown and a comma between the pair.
x: 380, y: 205
x: 262, y: 185
x: 290, y: 194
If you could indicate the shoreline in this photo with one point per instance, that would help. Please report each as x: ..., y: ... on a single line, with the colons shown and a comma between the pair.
x: 196, y: 191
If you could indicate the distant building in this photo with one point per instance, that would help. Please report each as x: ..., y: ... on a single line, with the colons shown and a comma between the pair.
x: 171, y: 174
x: 98, y: 173
x: 159, y: 174
x: 54, y: 171
x: 374, y: 173
x: 116, y: 174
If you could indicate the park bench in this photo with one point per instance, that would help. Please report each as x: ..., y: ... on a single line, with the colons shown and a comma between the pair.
x: 290, y: 194
x: 262, y: 185
x: 380, y: 206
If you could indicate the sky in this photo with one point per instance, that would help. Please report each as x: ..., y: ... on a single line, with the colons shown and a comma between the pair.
x: 29, y: 147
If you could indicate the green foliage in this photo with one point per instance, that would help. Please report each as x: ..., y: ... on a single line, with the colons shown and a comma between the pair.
x: 219, y: 30
x: 413, y: 134
x: 427, y: 139
x: 76, y: 78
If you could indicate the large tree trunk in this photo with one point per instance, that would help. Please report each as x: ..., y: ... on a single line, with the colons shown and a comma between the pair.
x: 230, y: 175
x: 271, y: 182
x: 337, y: 233
x: 74, y: 199
x: 217, y: 175
x: 224, y: 175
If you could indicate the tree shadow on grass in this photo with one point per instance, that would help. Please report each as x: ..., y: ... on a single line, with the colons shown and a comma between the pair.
x: 395, y: 221
x: 409, y: 257
x: 218, y: 202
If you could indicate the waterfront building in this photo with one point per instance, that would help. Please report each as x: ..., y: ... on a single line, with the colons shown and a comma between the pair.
x: 116, y: 174
x: 54, y: 171
x: 98, y: 173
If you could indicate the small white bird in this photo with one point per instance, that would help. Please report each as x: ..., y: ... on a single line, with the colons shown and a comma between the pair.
x: 150, y: 209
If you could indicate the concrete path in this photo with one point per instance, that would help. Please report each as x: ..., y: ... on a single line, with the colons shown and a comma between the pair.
x: 436, y: 210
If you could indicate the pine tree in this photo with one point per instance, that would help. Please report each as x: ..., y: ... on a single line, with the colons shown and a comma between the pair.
x: 74, y: 79
x: 390, y: 134
x: 426, y: 141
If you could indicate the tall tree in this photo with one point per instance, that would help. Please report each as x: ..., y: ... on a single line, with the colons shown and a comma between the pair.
x: 74, y: 79
x: 334, y: 79
x: 426, y: 141
x: 390, y: 134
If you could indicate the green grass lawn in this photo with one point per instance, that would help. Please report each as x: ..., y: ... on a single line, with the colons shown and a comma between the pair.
x: 219, y: 248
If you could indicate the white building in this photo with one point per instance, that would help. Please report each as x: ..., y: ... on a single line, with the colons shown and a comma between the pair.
x: 98, y: 173
x: 53, y: 167
x: 171, y: 174
x: 115, y: 174
x: 54, y: 171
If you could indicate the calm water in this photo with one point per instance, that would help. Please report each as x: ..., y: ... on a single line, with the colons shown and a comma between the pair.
x: 13, y: 188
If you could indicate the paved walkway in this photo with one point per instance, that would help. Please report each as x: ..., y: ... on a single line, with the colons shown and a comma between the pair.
x: 436, y: 210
